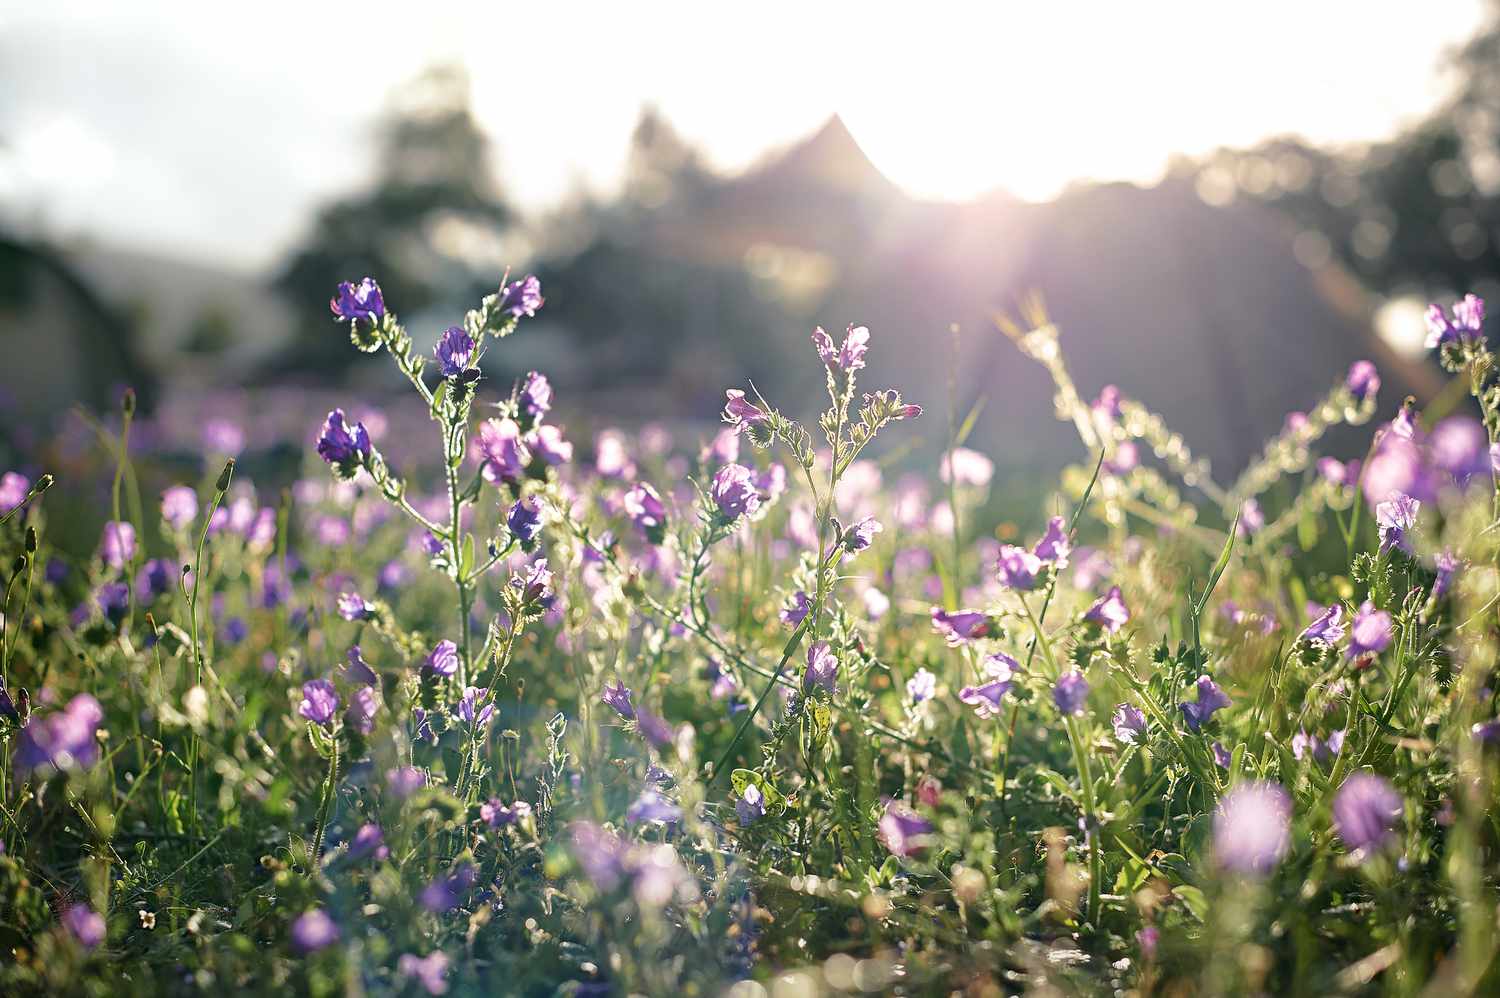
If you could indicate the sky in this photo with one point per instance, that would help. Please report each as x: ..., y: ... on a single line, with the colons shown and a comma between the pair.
x: 212, y: 131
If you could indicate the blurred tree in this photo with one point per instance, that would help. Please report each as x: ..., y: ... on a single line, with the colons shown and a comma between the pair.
x: 431, y: 229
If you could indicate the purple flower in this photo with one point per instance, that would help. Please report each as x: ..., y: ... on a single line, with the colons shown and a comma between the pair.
x: 796, y: 610
x: 902, y: 830
x: 443, y: 659
x: 345, y: 448
x: 618, y: 696
x: 986, y: 697
x: 1395, y: 516
x: 1336, y: 472
x: 522, y: 297
x: 13, y: 490
x: 1210, y: 699
x: 733, y: 492
x: 751, y: 805
x: 1019, y: 568
x: 404, y: 781
x: 1252, y: 828
x: 445, y: 892
x: 319, y: 701
x: 966, y: 467
x: 429, y: 971
x: 352, y: 606
x: 547, y: 443
x: 1221, y: 755
x: 155, y: 579
x: 850, y: 356
x: 1486, y: 732
x: 1327, y: 626
x: 1252, y: 520
x: 1148, y: 939
x: 85, y: 925
x: 1460, y: 446
x: 860, y: 534
x: 362, y: 707
x: 1466, y: 322
x: 645, y: 509
x: 1365, y: 810
x: 536, y: 585
x: 822, y: 668
x: 740, y: 412
x: 1397, y: 466
x: 535, y: 397
x: 313, y: 930
x: 455, y: 352
x: 961, y: 626
x: 1363, y: 380
x: 1371, y: 631
x: 468, y: 703
x: 502, y: 453
x: 1447, y: 565
x: 179, y: 507
x: 1071, y: 693
x: 1129, y: 724
x: 1054, y: 545
x: 62, y: 741
x: 368, y: 842
x: 357, y: 670
x: 1109, y: 611
x: 117, y: 545
x: 525, y: 520
x: 651, y: 807
x: 921, y: 686
x: 358, y: 301
x: 1304, y: 744
x: 113, y: 599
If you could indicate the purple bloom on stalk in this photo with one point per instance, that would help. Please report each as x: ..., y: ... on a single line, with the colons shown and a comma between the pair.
x: 653, y: 728
x: 358, y: 301
x: 1395, y: 516
x: 1327, y: 626
x: 850, y: 356
x: 1336, y: 472
x: 536, y: 585
x: 362, y: 707
x: 1371, y: 632
x: 313, y: 930
x: 921, y: 686
x: 404, y: 781
x: 1252, y: 520
x: 796, y: 610
x: 1252, y: 828
x: 1054, y: 545
x: 469, y: 701
x: 13, y: 490
x: 618, y: 696
x: 155, y: 579
x: 1363, y: 380
x: 1221, y: 755
x: 179, y: 507
x: 822, y: 668
x: 368, y: 842
x: 497, y: 815
x: 1129, y: 724
x: 733, y: 491
x: 319, y: 701
x: 85, y: 925
x: 352, y: 606
x: 1019, y: 568
x: 535, y: 397
x: 1210, y: 699
x: 454, y: 352
x: 443, y: 659
x: 751, y: 806
x: 902, y: 830
x: 1365, y: 810
x: 1306, y: 745
x: 343, y: 446
x: 522, y: 297
x: 525, y: 519
x: 1447, y: 564
x: 357, y: 670
x: 429, y: 971
x: 1071, y: 693
x: 961, y: 626
x: 741, y: 412
x: 117, y: 545
x: 62, y: 741
x: 113, y: 599
x: 547, y: 443
x: 502, y: 453
x: 1460, y: 446
x: 445, y: 892
x: 1465, y: 323
x: 653, y: 808
x: 860, y: 534
x: 646, y: 511
x: 1109, y: 611
x: 986, y: 697
x: 1486, y: 732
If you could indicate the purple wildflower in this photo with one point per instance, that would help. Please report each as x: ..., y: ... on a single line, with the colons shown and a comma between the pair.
x: 986, y: 697
x: 62, y: 741
x: 547, y: 443
x: 501, y: 450
x: 1054, y: 546
x: 446, y: 891
x: 796, y: 610
x: 443, y: 659
x: 1447, y: 565
x: 352, y: 606
x: 653, y: 728
x: 1210, y: 699
x: 751, y: 805
x: 902, y: 830
x: 85, y: 925
x: 921, y: 686
x: 368, y: 842
x: 358, y: 301
x: 522, y: 297
x: 535, y: 397
x: 1327, y: 626
x: 430, y: 971
x: 357, y: 670
x: 1460, y: 446
x: 404, y: 781
x: 860, y: 534
x: 179, y: 507
x: 1252, y: 520
x: 1363, y: 380
x: 822, y: 668
x: 525, y: 520
x: 961, y: 626
x: 618, y: 696
x: 1365, y: 811
x: 1109, y: 611
x: 113, y: 599
x: 966, y: 467
x: 319, y: 701
x: 454, y: 352
x: 363, y: 704
x: 1252, y: 828
x: 1395, y: 516
x: 651, y: 807
x: 313, y: 930
x: 155, y: 578
x: 646, y: 511
x: 733, y: 492
x: 1071, y: 693
x: 117, y: 545
x: 536, y: 585
x: 850, y: 356
x: 741, y: 412
x: 1019, y: 568
x: 1221, y: 755
x: 1129, y: 724
x: 343, y: 446
x: 1371, y: 631
x: 13, y: 490
x: 1465, y: 323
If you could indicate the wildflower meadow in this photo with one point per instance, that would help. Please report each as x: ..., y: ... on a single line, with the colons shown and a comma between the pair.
x: 771, y: 707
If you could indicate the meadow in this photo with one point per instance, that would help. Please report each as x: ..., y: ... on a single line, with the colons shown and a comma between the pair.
x: 756, y: 710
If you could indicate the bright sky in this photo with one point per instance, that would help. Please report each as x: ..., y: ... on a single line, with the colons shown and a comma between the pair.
x: 212, y: 130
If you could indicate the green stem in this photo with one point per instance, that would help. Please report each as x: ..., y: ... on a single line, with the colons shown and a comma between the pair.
x: 325, y: 807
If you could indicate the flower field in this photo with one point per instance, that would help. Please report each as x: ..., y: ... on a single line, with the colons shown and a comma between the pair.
x: 765, y: 709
